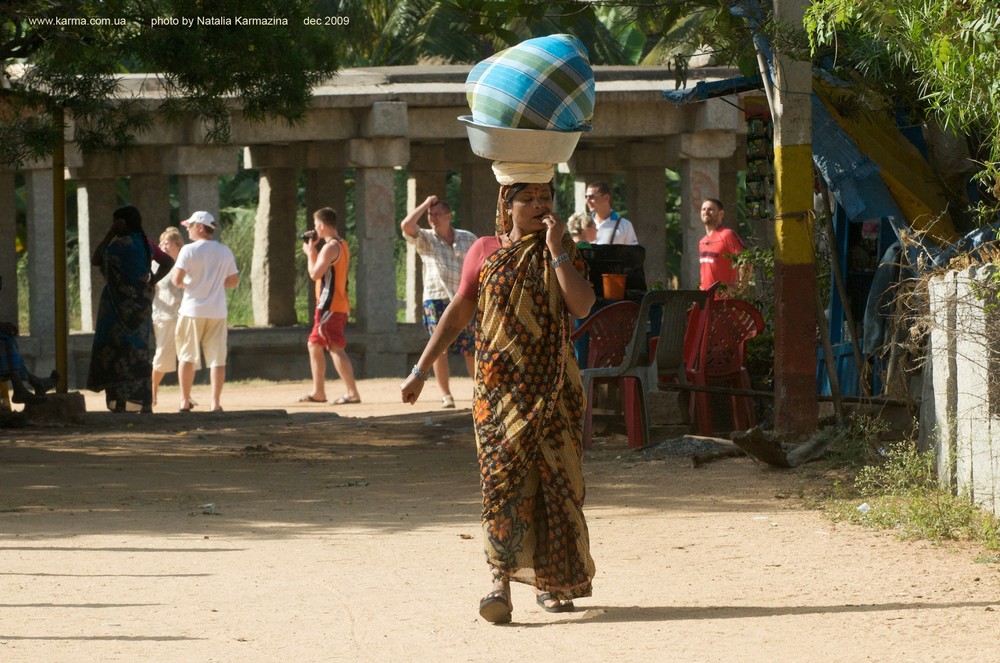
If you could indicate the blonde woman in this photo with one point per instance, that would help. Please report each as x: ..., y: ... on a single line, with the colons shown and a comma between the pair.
x: 582, y: 228
x: 165, y: 305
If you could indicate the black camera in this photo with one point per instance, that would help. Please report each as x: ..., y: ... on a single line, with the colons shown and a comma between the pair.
x: 308, y: 236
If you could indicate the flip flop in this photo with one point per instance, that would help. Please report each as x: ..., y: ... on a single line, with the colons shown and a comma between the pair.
x: 560, y: 606
x: 309, y: 399
x: 495, y: 607
x: 344, y: 400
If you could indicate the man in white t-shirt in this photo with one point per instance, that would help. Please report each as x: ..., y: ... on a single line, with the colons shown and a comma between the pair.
x: 611, y: 228
x: 204, y: 269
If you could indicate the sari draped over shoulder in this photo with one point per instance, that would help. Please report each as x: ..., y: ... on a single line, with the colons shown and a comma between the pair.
x: 528, y: 415
x: 121, y: 358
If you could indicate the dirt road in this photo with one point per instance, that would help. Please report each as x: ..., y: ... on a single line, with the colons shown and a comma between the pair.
x: 280, y: 532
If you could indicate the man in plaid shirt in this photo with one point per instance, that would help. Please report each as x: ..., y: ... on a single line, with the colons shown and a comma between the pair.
x: 442, y: 249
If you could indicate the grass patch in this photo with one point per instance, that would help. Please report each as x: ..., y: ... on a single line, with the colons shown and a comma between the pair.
x: 897, y: 489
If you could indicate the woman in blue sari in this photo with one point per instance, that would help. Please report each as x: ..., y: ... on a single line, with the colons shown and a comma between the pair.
x: 121, y: 358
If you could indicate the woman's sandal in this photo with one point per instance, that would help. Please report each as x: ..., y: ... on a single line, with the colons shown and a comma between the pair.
x: 495, y: 607
x: 560, y: 606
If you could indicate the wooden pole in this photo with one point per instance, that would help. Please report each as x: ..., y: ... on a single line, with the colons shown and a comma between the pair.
x: 59, y: 247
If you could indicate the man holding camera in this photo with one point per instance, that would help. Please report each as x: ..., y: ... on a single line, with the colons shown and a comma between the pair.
x: 204, y: 269
x: 327, y: 266
x: 442, y: 250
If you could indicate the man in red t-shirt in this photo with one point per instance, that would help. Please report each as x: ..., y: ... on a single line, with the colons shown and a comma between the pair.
x: 716, y: 247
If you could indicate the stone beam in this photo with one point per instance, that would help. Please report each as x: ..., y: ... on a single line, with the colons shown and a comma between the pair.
x: 261, y: 157
x: 704, y: 145
x: 631, y: 119
x: 720, y: 114
x: 439, y: 123
x: 200, y: 160
x: 135, y: 160
x: 321, y: 155
x: 385, y: 119
x: 319, y: 123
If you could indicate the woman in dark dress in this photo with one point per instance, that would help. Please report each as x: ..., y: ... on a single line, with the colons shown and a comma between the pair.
x: 121, y: 358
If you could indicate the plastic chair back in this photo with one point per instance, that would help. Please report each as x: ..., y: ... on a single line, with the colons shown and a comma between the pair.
x: 721, y: 360
x: 733, y: 322
x: 609, y: 331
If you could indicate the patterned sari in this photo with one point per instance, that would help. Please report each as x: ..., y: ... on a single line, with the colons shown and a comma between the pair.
x: 121, y: 358
x: 528, y: 416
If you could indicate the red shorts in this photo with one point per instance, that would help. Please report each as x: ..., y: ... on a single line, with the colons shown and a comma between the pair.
x: 328, y: 329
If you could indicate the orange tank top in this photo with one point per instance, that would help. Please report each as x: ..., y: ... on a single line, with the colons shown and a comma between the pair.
x: 331, y: 290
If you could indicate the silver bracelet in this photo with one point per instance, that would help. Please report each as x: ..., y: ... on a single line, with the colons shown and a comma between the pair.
x: 560, y: 259
x: 423, y: 375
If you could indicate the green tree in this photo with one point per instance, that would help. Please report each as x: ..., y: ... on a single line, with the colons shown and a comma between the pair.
x: 262, y: 56
x: 938, y: 59
x: 467, y: 31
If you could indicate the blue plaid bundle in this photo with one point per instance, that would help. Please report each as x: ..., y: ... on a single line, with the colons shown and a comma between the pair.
x: 543, y: 83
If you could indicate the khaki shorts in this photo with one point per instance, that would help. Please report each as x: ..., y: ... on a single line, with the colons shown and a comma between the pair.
x: 197, y: 336
x: 165, y: 359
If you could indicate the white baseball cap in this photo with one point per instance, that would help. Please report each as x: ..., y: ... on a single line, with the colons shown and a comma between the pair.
x: 204, y: 218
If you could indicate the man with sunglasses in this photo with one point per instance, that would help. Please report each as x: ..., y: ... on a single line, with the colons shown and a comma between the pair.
x: 611, y: 228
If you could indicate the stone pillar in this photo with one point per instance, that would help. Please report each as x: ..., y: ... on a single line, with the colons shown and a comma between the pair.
x: 41, y: 265
x: 96, y: 201
x: 376, y: 226
x: 699, y: 179
x: 273, y: 272
x: 647, y: 212
x: 375, y: 223
x: 198, y: 193
x: 198, y: 169
x: 151, y: 195
x: 8, y: 248
x: 700, y: 155
x: 647, y: 187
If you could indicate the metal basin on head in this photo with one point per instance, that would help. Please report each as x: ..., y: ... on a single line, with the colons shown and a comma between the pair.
x: 520, y: 145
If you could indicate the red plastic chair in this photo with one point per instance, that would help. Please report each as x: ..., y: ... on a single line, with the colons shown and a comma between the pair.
x: 610, y: 329
x: 721, y: 360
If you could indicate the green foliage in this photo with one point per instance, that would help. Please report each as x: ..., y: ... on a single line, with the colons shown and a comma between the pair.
x: 937, y: 59
x: 760, y: 349
x: 901, y: 493
x: 76, y: 50
x: 856, y: 442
